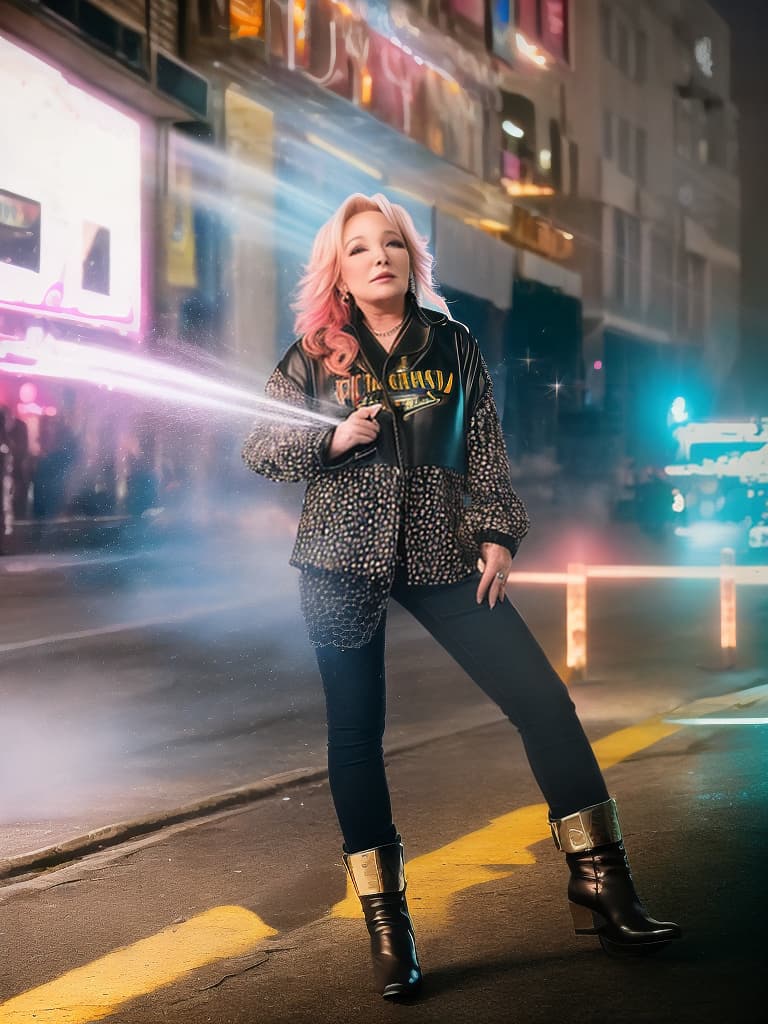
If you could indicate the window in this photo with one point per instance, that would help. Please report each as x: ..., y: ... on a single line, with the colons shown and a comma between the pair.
x: 19, y: 231
x: 627, y: 274
x: 662, y: 281
x: 641, y: 147
x: 622, y: 46
x: 608, y: 135
x: 573, y: 160
x: 606, y: 30
x: 683, y: 127
x: 693, y: 130
x: 641, y: 56
x: 695, y: 304
x: 95, y: 259
x: 625, y: 147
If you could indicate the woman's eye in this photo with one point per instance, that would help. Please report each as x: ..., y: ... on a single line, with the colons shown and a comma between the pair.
x: 397, y: 243
x: 357, y: 249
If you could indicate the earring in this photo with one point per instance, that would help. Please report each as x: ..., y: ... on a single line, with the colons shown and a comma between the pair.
x: 412, y: 283
x: 344, y: 294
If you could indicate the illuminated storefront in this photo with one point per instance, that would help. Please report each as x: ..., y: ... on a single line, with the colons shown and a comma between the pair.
x: 72, y: 269
x: 70, y: 200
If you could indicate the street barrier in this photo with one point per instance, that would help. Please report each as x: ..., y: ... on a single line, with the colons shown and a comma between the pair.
x: 575, y: 580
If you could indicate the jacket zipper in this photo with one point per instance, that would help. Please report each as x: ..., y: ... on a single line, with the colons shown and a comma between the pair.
x: 388, y: 404
x: 398, y: 452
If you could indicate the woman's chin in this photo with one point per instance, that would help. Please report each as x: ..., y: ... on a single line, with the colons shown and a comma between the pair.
x: 389, y: 293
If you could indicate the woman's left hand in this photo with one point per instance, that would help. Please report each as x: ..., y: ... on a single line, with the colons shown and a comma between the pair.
x: 498, y: 564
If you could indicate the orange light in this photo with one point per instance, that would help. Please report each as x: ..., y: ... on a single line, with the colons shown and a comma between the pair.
x: 366, y: 88
x: 529, y: 50
x: 246, y: 19
x: 300, y: 29
x: 576, y: 621
x: 526, y: 188
x: 727, y: 608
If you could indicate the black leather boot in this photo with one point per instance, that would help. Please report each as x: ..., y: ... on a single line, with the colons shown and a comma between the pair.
x: 378, y: 876
x: 601, y: 892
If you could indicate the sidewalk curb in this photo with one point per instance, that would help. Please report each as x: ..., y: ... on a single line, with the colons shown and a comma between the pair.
x: 113, y: 835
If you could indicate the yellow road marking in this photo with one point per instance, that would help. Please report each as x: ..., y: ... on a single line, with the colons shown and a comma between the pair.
x: 491, y: 853
x: 96, y: 990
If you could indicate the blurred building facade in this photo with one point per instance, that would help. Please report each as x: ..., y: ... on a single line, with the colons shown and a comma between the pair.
x: 573, y: 166
x: 657, y: 211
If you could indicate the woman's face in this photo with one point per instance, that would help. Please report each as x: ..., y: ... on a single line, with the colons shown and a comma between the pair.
x: 374, y: 263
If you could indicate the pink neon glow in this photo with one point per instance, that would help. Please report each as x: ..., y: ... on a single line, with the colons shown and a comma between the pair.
x: 742, y: 574
x: 47, y: 357
x: 597, y: 365
x: 35, y: 409
x: 27, y: 392
x: 74, y: 178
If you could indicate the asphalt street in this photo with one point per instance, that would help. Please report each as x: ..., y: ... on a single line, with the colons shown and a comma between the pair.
x: 133, y: 685
x: 246, y: 917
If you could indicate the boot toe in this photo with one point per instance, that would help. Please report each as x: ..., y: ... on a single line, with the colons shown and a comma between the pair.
x: 403, y: 989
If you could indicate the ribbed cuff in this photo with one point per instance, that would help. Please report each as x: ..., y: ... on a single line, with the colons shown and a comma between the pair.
x: 507, y: 540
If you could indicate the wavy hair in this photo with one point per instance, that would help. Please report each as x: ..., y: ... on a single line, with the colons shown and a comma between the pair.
x: 320, y: 312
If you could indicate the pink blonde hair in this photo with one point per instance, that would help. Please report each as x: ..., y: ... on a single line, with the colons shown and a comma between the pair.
x: 320, y: 312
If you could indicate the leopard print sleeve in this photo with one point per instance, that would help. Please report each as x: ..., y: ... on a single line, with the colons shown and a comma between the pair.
x: 495, y: 512
x: 288, y: 449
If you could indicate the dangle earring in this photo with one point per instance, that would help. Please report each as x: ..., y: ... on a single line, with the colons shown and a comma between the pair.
x: 412, y: 283
x: 344, y: 294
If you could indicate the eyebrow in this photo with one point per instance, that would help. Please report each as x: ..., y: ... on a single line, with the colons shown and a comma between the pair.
x: 388, y: 231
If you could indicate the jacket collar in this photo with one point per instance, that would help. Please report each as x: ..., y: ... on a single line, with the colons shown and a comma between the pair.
x: 417, y: 333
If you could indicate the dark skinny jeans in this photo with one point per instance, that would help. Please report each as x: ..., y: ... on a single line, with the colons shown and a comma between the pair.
x: 497, y: 650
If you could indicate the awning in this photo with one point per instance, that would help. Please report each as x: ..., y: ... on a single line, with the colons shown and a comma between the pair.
x: 474, y: 262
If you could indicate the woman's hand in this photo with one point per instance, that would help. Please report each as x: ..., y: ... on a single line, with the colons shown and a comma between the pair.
x: 360, y: 427
x: 498, y: 564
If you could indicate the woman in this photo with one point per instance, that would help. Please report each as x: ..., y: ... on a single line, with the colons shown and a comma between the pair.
x: 404, y: 496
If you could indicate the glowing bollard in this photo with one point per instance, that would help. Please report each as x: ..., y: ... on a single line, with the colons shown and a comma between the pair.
x: 576, y: 622
x: 727, y: 608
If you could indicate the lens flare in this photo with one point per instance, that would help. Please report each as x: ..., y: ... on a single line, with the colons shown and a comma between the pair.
x: 143, y: 377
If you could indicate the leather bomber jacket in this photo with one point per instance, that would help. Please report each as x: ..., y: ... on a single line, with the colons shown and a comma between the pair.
x: 434, y: 486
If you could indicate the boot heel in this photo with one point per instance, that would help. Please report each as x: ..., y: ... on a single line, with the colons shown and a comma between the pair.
x: 583, y: 919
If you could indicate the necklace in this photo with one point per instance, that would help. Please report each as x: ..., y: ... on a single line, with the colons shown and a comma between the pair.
x: 384, y: 334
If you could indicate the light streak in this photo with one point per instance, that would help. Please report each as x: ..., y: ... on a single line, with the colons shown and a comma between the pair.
x: 143, y: 377
x: 726, y: 430
x: 576, y: 621
x: 525, y: 188
x: 728, y: 608
x: 342, y: 154
x: 513, y: 129
x: 743, y: 574
x: 529, y: 50
x: 717, y: 721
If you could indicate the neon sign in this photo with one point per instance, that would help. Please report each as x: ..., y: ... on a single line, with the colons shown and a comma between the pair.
x: 70, y: 200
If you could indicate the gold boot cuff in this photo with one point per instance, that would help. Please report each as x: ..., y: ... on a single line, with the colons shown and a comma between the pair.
x: 593, y: 826
x: 377, y: 870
